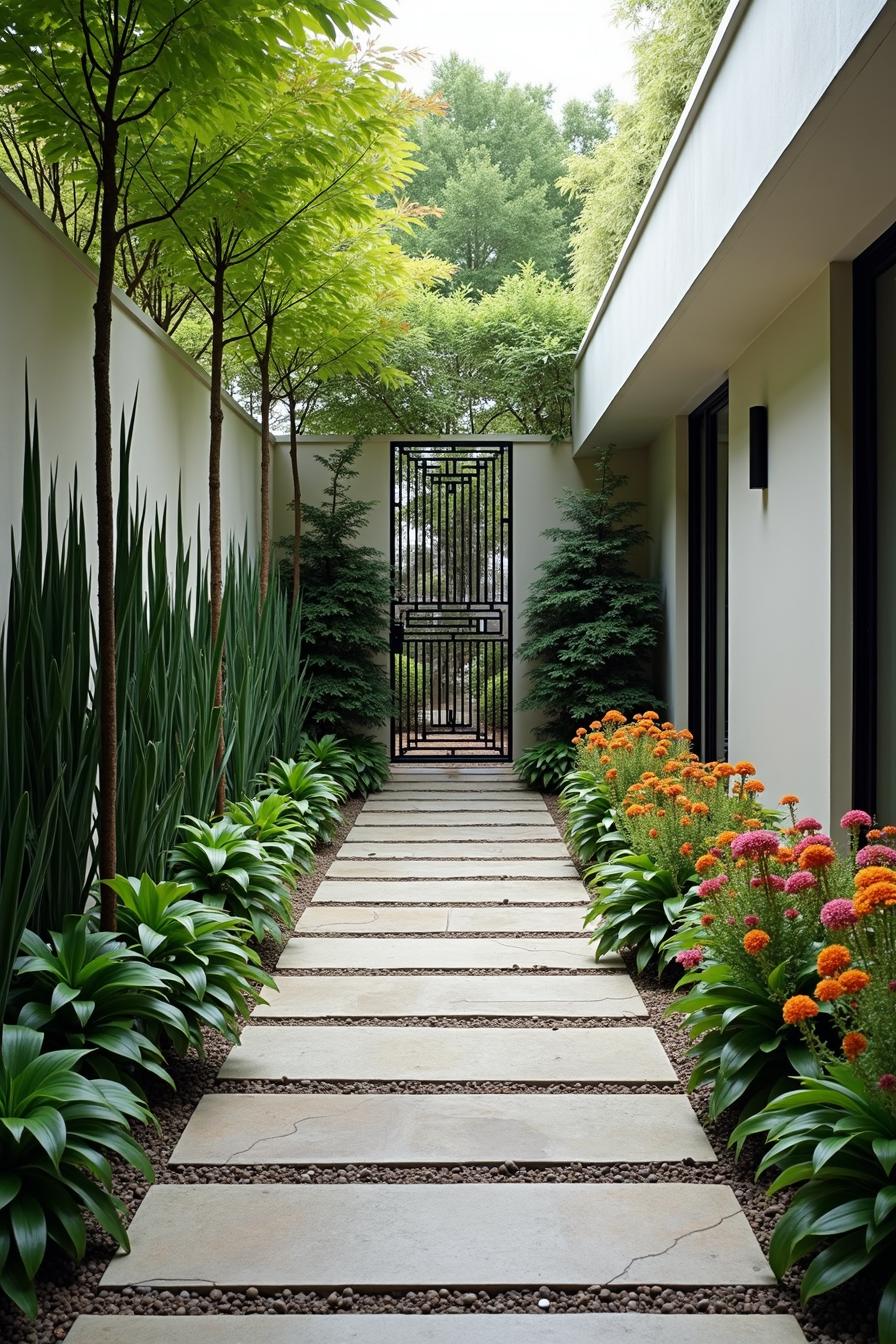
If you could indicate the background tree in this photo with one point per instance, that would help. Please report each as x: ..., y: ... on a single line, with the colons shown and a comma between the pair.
x: 106, y: 82
x: 592, y: 625
x: 609, y: 182
x: 503, y: 364
x: 491, y: 166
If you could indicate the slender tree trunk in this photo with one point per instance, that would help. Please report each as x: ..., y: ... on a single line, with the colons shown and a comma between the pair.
x: 105, y: 528
x: 296, y: 506
x: 264, y: 368
x: 216, y: 417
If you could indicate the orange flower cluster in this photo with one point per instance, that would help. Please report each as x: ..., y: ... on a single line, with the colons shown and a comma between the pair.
x: 875, y: 886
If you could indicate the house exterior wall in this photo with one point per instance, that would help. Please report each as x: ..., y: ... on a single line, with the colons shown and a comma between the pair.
x: 46, y: 323
x: 541, y: 472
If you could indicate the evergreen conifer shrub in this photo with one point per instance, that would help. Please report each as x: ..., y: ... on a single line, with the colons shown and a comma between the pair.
x: 345, y: 605
x: 592, y: 625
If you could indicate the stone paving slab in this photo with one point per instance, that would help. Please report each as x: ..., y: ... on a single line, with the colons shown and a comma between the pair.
x: 337, y: 1130
x: 408, y: 770
x: 452, y: 832
x: 451, y: 1054
x: 472, y: 803
x: 476, y: 1236
x: 452, y: 849
x: 441, y: 919
x: 440, y: 954
x: 494, y: 819
x: 439, y: 869
x: 535, y: 996
x: 579, y: 1328
x: 564, y: 889
x: 454, y: 788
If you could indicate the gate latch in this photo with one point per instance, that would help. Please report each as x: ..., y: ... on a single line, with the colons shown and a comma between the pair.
x: 397, y: 638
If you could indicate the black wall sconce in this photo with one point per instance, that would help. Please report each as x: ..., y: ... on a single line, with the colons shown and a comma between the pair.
x: 758, y: 447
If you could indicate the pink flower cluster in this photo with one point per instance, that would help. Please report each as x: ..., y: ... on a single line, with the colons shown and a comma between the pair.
x: 791, y: 913
x: 752, y: 921
x: 772, y: 883
x: 807, y: 824
x: 754, y: 844
x: 799, y: 882
x: 820, y: 839
x: 710, y: 885
x: 690, y: 957
x: 854, y: 818
x: 875, y: 854
x: 838, y: 914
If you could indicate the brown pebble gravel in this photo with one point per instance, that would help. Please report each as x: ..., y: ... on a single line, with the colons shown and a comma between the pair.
x: 843, y: 1317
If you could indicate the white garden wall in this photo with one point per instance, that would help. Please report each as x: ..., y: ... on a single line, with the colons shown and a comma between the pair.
x: 46, y: 320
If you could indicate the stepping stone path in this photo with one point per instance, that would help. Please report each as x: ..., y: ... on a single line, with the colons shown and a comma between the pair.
x: 453, y: 897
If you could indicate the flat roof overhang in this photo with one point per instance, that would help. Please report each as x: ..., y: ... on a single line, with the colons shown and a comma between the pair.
x: 825, y: 198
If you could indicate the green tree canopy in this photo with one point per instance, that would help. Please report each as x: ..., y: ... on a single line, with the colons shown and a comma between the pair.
x: 491, y: 166
x: 609, y: 183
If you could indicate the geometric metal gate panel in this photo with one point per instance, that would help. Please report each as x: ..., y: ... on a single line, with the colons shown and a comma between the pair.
x: 451, y: 595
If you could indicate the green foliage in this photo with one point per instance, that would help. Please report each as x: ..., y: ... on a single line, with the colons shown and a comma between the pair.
x: 213, y: 978
x: 740, y: 1043
x: 345, y: 599
x: 277, y: 822
x: 19, y: 894
x: 591, y: 829
x: 545, y: 767
x: 371, y: 762
x: 334, y: 759
x: 230, y: 870
x: 493, y: 698
x: 636, y: 906
x: 491, y: 164
x: 58, y: 1131
x: 86, y: 991
x: 837, y: 1142
x: 610, y: 182
x: 168, y: 725
x: 314, y: 793
x: 267, y: 696
x: 48, y: 730
x: 503, y: 364
x: 592, y: 625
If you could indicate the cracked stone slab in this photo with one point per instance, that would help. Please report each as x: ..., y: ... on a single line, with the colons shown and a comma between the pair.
x: 439, y: 869
x: 472, y: 804
x: 457, y: 834
x: 478, y: 1236
x: 451, y: 1054
x: 565, y: 889
x: 243, y: 1128
x: 440, y: 919
x: 579, y: 1328
x: 457, y: 849
x: 606, y: 995
x: 437, y: 954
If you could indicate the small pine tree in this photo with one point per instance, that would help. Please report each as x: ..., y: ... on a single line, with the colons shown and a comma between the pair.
x: 345, y: 600
x: 592, y: 625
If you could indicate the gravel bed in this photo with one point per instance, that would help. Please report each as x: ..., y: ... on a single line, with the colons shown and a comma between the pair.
x: 843, y: 1317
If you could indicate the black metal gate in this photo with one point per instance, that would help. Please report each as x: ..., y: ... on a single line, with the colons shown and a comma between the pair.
x: 451, y: 546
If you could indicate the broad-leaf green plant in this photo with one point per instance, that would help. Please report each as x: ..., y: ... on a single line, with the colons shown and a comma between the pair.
x: 86, y: 990
x: 276, y: 820
x: 371, y: 764
x: 636, y: 906
x: 214, y: 978
x: 333, y: 756
x: 545, y: 767
x: 58, y: 1131
x: 225, y: 866
x: 317, y: 794
x: 836, y: 1141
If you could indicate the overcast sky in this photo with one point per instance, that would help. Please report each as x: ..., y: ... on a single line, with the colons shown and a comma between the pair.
x: 572, y: 44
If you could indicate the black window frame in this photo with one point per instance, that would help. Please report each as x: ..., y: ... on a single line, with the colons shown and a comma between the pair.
x: 707, y: 701
x: 867, y: 269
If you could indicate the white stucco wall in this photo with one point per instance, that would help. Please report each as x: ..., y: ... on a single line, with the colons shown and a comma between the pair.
x: 667, y: 505
x: 541, y: 472
x: 46, y: 322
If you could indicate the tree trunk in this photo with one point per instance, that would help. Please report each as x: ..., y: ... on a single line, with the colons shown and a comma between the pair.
x: 105, y: 530
x: 264, y: 368
x: 216, y: 417
x: 296, y: 506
